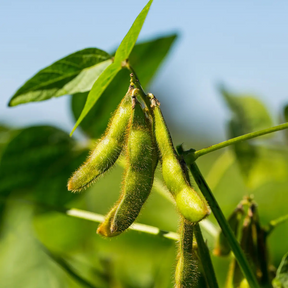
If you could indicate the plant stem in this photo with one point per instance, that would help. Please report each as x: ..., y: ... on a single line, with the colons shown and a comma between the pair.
x: 90, y: 216
x: 238, y: 253
x: 136, y: 226
x: 248, y: 136
x: 276, y: 222
x: 204, y: 255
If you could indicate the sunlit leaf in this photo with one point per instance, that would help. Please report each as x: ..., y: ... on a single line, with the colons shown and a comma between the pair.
x: 99, y: 86
x: 122, y: 54
x: 130, y: 39
x: 145, y: 58
x: 72, y: 74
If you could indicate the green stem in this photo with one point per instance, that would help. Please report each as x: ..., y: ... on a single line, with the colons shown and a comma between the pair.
x: 248, y: 136
x: 238, y: 253
x: 276, y: 222
x: 90, y: 216
x: 204, y: 255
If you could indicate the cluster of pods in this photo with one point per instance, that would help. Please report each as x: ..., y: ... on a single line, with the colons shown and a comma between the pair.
x: 138, y: 130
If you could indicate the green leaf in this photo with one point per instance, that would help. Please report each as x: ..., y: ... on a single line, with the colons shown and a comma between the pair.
x: 28, y: 265
x: 130, y: 39
x: 99, y: 86
x: 247, y: 110
x: 29, y: 154
x: 122, y: 54
x: 285, y: 114
x: 281, y: 279
x: 144, y: 62
x: 37, y: 162
x: 72, y: 74
x: 249, y: 115
x: 68, y: 269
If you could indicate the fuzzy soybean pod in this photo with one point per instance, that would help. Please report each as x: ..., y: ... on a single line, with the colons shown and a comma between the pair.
x: 107, y: 149
x: 190, y: 204
x: 141, y: 162
x: 185, y: 273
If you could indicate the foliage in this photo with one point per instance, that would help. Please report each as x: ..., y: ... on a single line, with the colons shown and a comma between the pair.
x: 61, y: 251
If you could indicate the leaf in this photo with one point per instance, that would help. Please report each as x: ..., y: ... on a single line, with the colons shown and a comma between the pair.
x: 130, y: 39
x: 5, y: 135
x: 38, y: 161
x: 122, y: 54
x: 248, y: 110
x: 68, y: 269
x: 285, y: 114
x: 72, y: 74
x: 28, y: 265
x: 281, y: 279
x: 99, y: 86
x: 146, y: 65
x: 29, y: 154
x: 249, y: 115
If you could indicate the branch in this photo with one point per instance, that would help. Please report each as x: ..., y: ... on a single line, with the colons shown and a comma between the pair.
x: 192, y: 155
x: 98, y: 218
x: 276, y: 222
x: 77, y: 213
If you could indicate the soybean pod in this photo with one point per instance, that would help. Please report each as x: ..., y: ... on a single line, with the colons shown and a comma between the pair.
x: 190, y: 204
x: 107, y: 150
x: 185, y: 274
x: 141, y: 162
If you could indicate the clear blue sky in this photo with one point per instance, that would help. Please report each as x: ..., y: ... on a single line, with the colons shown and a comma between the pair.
x: 239, y: 43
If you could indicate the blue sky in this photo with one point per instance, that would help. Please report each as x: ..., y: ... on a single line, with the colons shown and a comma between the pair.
x: 242, y: 44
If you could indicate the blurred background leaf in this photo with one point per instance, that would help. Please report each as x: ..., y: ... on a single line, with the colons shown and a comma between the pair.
x: 153, y: 53
x: 37, y: 162
x: 281, y: 279
x: 258, y: 164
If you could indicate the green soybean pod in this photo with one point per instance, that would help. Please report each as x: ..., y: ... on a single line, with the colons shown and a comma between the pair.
x: 185, y: 274
x: 190, y: 204
x: 142, y: 160
x: 107, y: 150
x: 104, y: 228
x: 222, y: 247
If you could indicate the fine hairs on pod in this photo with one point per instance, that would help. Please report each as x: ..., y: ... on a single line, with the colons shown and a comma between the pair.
x: 141, y: 154
x: 186, y: 269
x: 107, y: 149
x: 190, y: 204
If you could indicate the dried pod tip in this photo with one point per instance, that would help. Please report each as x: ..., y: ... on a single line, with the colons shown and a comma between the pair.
x: 154, y: 101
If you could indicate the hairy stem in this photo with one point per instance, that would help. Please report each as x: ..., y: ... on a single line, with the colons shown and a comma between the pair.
x: 204, y: 255
x: 239, y: 255
x: 201, y: 152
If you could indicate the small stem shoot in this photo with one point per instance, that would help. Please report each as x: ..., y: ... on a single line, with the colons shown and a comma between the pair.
x: 192, y: 155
